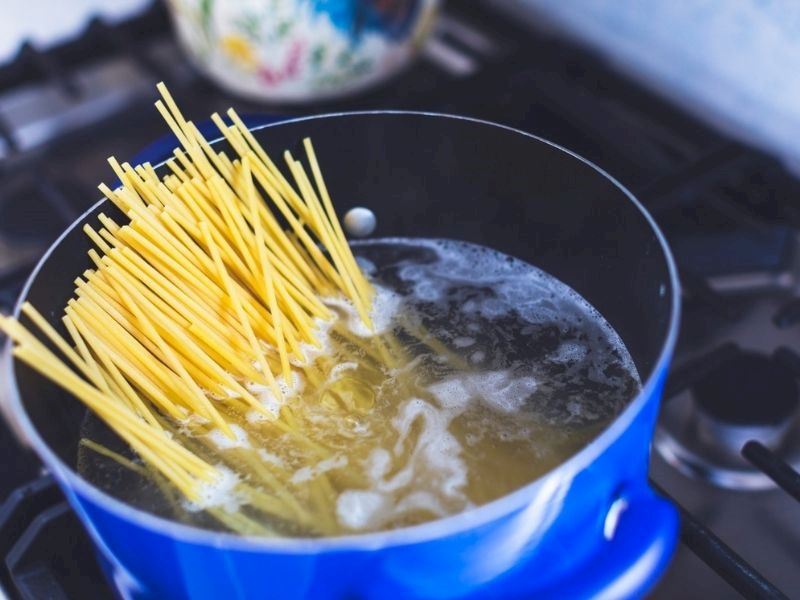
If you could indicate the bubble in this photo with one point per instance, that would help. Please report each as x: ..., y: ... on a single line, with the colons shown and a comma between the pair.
x: 340, y: 368
x: 570, y: 351
x: 463, y: 342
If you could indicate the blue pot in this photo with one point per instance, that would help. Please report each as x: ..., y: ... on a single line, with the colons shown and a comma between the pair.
x: 590, y: 528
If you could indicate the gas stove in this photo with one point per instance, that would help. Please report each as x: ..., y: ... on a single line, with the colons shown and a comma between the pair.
x: 727, y: 448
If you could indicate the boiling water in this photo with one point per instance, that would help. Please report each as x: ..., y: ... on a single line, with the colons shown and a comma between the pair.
x: 483, y: 373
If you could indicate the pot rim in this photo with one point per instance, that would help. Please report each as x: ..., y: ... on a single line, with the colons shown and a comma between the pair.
x: 438, y: 528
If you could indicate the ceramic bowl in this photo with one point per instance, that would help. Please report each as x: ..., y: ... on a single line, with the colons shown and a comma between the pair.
x: 301, y: 50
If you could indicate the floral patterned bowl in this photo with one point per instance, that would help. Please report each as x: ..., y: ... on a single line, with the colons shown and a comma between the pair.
x: 301, y: 50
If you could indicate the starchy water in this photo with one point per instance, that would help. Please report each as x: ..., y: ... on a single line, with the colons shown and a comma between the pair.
x: 481, y: 374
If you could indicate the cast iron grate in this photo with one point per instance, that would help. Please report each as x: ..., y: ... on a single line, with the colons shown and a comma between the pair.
x: 713, y: 551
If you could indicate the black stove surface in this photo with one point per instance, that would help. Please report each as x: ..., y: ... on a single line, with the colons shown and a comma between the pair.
x: 730, y: 213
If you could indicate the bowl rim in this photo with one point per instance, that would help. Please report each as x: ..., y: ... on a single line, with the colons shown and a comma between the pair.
x: 471, y: 518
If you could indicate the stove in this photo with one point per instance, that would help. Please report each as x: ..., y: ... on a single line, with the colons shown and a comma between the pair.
x: 727, y: 448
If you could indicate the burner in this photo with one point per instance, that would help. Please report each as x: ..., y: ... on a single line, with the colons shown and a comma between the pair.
x: 748, y: 396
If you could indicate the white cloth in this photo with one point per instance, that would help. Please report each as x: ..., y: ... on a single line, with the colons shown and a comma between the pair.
x: 735, y: 63
x: 48, y: 22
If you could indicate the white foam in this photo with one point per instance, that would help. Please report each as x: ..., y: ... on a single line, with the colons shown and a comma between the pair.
x: 269, y: 457
x: 321, y: 331
x: 463, y: 342
x: 219, y: 493
x: 360, y: 509
x: 379, y: 463
x: 423, y: 500
x: 341, y: 368
x: 458, y: 262
x: 452, y: 393
x: 411, y: 365
x: 581, y: 410
x: 294, y: 387
x: 256, y: 416
x: 516, y: 285
x: 501, y: 390
x: 569, y: 351
x: 223, y: 442
x: 366, y: 265
x: 385, y: 305
x: 435, y: 462
x: 307, y: 473
x: 188, y: 424
x: 477, y: 357
x: 267, y: 398
x: 433, y: 470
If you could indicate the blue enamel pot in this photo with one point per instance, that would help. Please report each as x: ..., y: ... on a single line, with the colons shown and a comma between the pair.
x: 590, y: 528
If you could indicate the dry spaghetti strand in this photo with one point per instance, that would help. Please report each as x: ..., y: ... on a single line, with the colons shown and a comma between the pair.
x: 205, y: 290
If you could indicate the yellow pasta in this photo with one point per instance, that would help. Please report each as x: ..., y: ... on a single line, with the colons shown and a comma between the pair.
x: 200, y: 310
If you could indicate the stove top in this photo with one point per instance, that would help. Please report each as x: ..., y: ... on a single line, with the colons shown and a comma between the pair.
x: 730, y: 213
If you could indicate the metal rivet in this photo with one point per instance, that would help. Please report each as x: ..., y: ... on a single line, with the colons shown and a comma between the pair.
x: 612, y: 517
x: 360, y: 221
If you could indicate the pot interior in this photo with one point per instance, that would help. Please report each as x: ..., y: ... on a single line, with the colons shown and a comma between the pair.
x: 436, y: 177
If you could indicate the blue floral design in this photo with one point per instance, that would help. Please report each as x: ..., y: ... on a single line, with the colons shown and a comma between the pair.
x: 391, y: 18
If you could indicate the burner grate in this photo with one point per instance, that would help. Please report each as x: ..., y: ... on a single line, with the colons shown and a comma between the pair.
x: 720, y: 557
x: 701, y: 540
x: 777, y: 470
x: 47, y: 552
x: 57, y: 65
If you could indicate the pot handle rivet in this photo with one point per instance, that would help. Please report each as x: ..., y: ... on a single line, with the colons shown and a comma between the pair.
x: 360, y: 222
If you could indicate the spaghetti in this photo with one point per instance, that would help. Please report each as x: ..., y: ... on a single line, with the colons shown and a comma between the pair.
x: 200, y: 301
